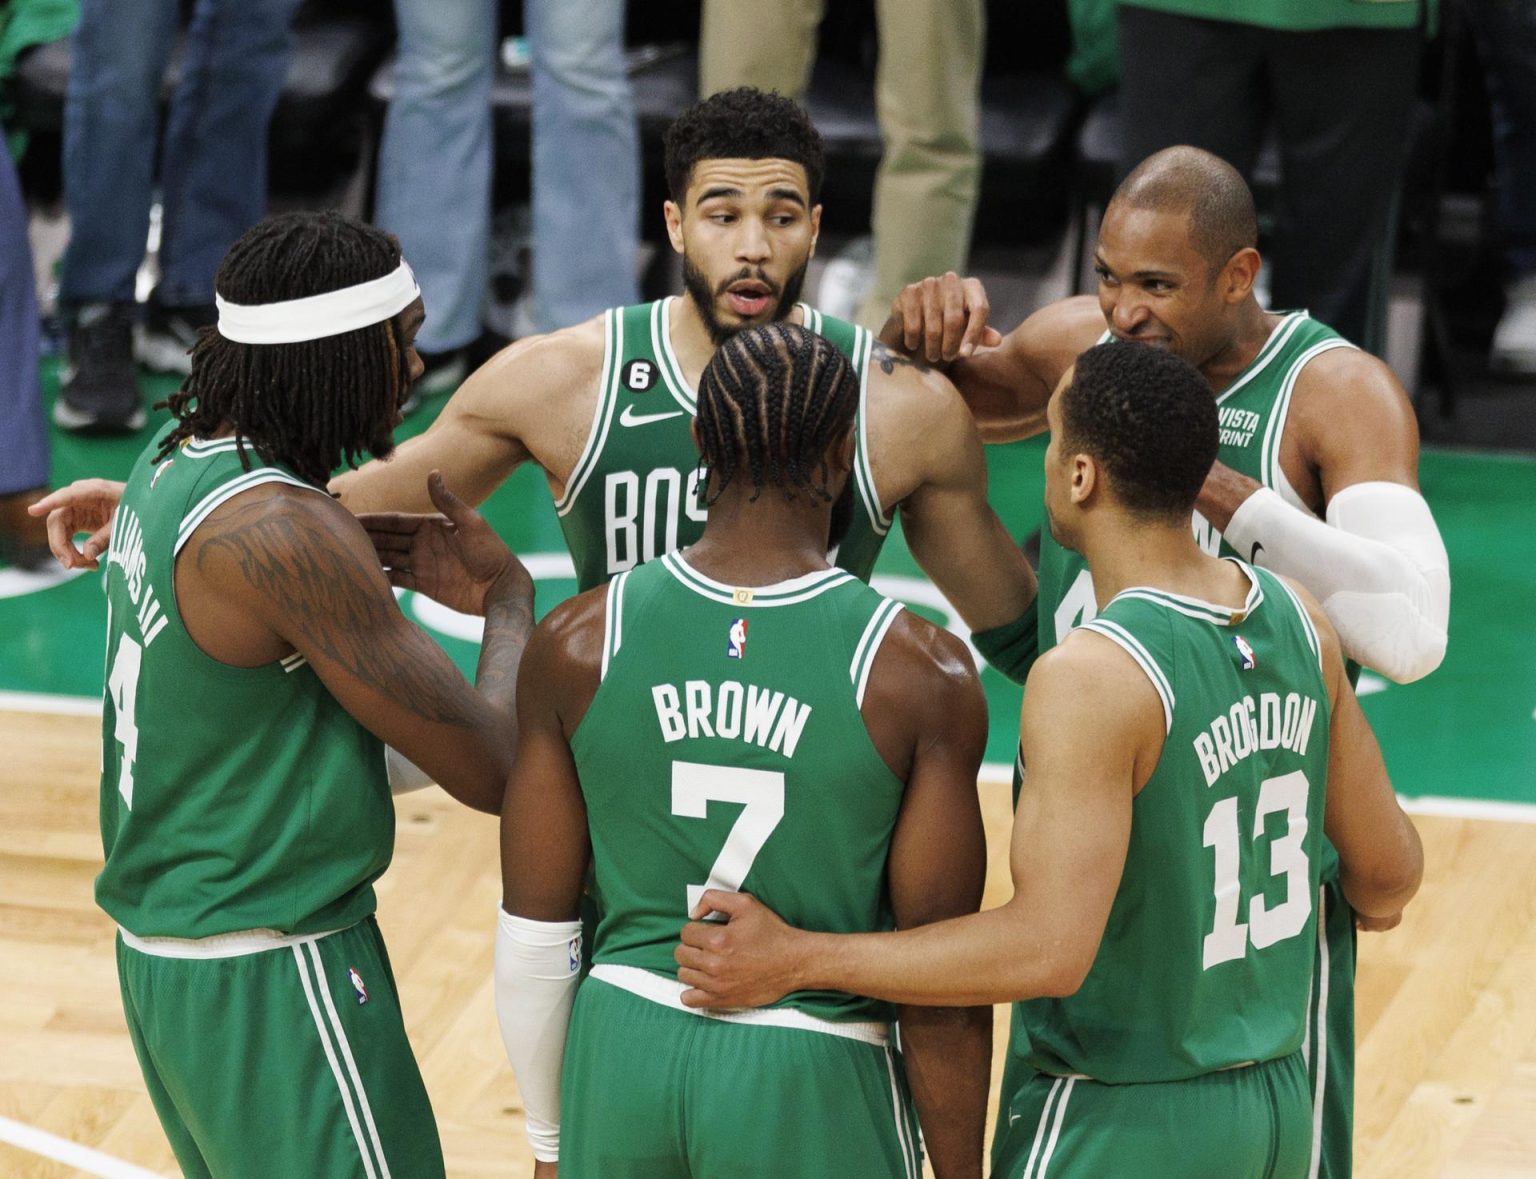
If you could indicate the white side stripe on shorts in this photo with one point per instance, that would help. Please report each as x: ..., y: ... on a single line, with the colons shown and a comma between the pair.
x: 1061, y: 1111
x: 909, y: 1163
x: 1045, y: 1117
x: 1320, y: 1036
x: 330, y: 1056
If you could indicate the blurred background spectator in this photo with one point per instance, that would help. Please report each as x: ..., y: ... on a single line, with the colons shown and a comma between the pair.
x: 435, y: 167
x: 1505, y: 31
x: 927, y: 84
x: 213, y: 183
x: 1336, y: 81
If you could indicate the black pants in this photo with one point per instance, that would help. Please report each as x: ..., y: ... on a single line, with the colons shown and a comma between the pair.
x: 1341, y: 102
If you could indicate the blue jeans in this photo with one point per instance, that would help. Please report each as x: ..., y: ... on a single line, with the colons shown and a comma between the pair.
x: 435, y: 160
x: 1506, y: 40
x: 23, y: 438
x: 214, y: 167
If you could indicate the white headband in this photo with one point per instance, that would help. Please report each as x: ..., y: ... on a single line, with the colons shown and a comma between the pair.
x: 318, y: 316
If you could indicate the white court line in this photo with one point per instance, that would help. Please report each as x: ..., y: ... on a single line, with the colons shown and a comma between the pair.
x: 52, y: 705
x: 992, y: 772
x: 71, y: 1154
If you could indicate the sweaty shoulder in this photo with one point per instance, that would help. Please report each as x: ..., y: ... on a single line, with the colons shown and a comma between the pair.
x: 916, y: 419
x: 922, y: 687
x: 538, y: 390
x: 565, y: 654
x: 1344, y: 396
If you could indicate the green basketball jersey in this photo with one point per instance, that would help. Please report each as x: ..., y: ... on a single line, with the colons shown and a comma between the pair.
x: 1252, y: 411
x: 634, y: 493
x: 725, y: 749
x: 231, y: 798
x: 1207, y: 957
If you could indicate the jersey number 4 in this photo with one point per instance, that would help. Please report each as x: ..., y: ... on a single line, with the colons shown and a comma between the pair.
x: 123, y: 687
x: 1229, y: 937
x: 761, y: 793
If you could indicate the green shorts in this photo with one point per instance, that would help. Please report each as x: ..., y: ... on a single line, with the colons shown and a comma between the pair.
x: 1242, y: 1123
x: 653, y: 1092
x: 290, y: 1060
x: 1331, y: 1067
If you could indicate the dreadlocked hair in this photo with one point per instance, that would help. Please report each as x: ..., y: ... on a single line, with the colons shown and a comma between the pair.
x: 312, y: 404
x: 776, y: 395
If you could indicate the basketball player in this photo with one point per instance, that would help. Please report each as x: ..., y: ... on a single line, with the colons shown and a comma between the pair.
x: 742, y: 714
x: 1186, y: 750
x: 605, y: 407
x: 1316, y: 478
x: 256, y: 665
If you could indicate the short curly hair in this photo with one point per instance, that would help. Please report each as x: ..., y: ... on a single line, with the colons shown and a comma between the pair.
x: 1149, y: 417
x: 748, y: 124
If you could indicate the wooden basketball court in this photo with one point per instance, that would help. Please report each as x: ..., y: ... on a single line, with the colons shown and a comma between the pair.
x: 1446, y: 1003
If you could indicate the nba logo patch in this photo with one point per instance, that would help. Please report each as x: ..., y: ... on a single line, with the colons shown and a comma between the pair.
x: 1243, y: 649
x: 357, y: 985
x: 736, y: 641
x: 573, y: 954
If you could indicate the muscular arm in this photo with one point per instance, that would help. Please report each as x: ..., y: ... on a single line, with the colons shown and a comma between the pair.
x: 1376, y: 562
x: 1381, y: 859
x: 298, y: 565
x: 1006, y: 387
x: 923, y: 687
x: 492, y: 424
x: 545, y: 850
x: 1092, y: 730
x: 951, y: 528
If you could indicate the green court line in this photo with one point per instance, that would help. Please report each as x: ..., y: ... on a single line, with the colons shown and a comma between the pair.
x: 1467, y: 731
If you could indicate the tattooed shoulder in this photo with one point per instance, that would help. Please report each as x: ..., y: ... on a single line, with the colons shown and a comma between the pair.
x: 888, y: 359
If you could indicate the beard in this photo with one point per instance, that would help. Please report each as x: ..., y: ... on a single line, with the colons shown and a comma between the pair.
x: 703, y: 295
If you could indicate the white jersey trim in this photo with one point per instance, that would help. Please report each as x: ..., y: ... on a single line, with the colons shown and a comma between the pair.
x: 863, y: 469
x: 671, y: 371
x: 780, y: 593
x: 613, y: 621
x: 602, y: 416
x: 237, y: 944
x: 1269, y: 456
x: 668, y: 992
x: 1132, y: 645
x: 875, y: 630
x: 1307, y: 628
x: 227, y: 492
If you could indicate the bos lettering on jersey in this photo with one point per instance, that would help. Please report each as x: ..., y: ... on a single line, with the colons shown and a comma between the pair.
x: 127, y: 552
x: 734, y: 711
x: 642, y: 514
x: 1269, y: 722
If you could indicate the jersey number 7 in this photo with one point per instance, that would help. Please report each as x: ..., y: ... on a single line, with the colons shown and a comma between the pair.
x: 761, y: 793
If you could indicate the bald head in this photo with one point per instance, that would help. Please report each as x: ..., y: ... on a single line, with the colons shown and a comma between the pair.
x: 1204, y: 187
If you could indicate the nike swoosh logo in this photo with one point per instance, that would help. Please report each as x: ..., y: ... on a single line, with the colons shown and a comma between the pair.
x: 630, y: 418
x: 1253, y: 557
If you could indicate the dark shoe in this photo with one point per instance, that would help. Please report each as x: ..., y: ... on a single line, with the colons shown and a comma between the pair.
x: 165, y: 340
x: 23, y: 538
x: 98, y: 389
x: 442, y: 372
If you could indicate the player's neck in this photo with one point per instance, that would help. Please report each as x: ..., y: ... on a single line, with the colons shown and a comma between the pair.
x: 691, y: 342
x: 1127, y: 552
x: 1254, y: 327
x: 760, y: 543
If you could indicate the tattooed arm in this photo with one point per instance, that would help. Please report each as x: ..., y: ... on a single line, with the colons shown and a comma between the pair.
x: 279, y: 569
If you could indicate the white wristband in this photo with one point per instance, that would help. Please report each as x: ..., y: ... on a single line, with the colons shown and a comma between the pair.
x: 538, y: 965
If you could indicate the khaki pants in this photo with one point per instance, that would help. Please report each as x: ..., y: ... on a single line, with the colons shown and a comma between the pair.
x: 927, y: 101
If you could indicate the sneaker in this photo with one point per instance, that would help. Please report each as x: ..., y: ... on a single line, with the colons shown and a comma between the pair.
x: 847, y: 279
x: 98, y: 389
x: 164, y: 341
x: 1514, y: 340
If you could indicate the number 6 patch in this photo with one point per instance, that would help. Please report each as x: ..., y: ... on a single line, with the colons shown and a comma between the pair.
x: 639, y: 375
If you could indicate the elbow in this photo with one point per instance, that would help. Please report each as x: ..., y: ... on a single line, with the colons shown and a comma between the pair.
x: 1383, y: 888
x: 1400, y: 635
x: 1062, y: 975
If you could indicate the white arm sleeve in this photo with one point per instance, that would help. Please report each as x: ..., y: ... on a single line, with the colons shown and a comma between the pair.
x: 1378, y: 566
x: 538, y: 964
x: 404, y: 775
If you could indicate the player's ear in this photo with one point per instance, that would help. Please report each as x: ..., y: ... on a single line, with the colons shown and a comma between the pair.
x: 673, y: 213
x: 1239, y: 274
x: 1085, y: 478
x: 698, y: 440
x: 815, y: 227
x: 841, y: 452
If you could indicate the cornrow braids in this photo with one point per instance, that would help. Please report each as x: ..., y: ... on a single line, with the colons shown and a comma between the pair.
x: 313, y: 404
x: 777, y: 396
